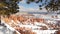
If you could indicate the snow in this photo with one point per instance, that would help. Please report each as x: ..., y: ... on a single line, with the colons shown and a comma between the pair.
x: 8, y: 26
x: 44, y: 31
x: 30, y: 26
x: 33, y: 28
x: 12, y: 29
x: 36, y: 23
x: 1, y: 32
x: 41, y: 24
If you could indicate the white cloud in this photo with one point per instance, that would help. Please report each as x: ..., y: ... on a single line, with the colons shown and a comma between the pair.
x: 23, y: 1
x: 31, y: 9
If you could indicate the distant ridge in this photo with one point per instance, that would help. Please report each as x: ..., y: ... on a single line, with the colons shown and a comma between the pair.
x: 38, y: 12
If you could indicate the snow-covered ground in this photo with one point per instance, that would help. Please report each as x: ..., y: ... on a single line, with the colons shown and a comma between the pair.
x: 4, y: 30
x: 35, y: 26
x: 9, y: 27
x: 44, y: 31
x: 37, y: 31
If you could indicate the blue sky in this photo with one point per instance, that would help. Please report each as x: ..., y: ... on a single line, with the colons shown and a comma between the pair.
x: 30, y: 7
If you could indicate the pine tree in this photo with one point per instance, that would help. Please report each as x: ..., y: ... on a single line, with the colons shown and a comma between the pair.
x: 53, y: 5
x: 8, y: 7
